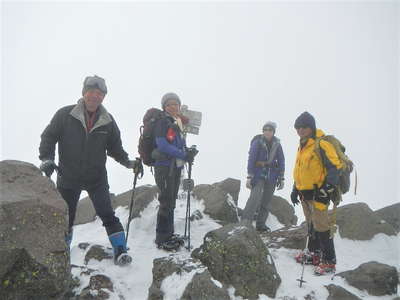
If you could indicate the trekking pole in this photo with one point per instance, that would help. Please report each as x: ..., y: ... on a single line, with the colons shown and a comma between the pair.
x: 138, y: 170
x: 302, y: 261
x: 187, y: 218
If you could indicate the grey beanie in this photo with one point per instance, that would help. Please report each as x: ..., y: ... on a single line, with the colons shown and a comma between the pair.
x: 270, y: 124
x: 94, y: 82
x: 169, y: 96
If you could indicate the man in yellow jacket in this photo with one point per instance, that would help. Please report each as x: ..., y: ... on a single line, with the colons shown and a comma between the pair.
x: 315, y: 181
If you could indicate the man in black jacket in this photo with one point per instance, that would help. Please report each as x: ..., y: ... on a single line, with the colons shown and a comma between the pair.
x: 86, y: 133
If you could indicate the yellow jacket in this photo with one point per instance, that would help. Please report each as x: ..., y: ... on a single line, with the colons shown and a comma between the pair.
x: 310, y: 170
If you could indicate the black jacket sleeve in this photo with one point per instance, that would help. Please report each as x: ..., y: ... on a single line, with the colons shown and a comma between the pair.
x: 51, y: 135
x: 114, y: 145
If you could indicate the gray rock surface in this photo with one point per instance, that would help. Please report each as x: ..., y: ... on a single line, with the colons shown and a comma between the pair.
x: 391, y: 214
x: 217, y: 203
x: 287, y: 237
x: 164, y: 267
x: 34, y: 259
x: 358, y: 222
x: 231, y: 186
x: 143, y: 196
x: 99, y: 288
x: 203, y: 287
x: 338, y: 293
x: 235, y: 255
x: 376, y: 278
x: 283, y: 211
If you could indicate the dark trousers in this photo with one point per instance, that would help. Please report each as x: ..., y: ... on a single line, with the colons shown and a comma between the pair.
x: 168, y: 182
x: 100, y: 197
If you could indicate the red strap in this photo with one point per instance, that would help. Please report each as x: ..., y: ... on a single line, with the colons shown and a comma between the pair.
x: 170, y: 135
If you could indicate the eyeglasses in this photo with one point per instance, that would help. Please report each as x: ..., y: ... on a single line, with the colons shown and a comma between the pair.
x: 172, y: 104
x: 97, y: 82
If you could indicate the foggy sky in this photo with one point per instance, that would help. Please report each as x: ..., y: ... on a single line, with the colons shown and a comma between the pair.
x: 240, y: 64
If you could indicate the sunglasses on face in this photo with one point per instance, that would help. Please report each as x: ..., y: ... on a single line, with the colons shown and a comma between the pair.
x: 301, y: 126
x: 96, y: 82
x: 268, y: 129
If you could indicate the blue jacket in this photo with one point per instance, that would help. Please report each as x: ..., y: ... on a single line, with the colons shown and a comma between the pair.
x: 260, y: 152
x: 169, y: 141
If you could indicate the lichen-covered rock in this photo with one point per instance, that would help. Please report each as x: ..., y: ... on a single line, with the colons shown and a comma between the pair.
x: 204, y: 287
x: 235, y: 255
x: 99, y: 288
x: 34, y: 258
x: 164, y: 267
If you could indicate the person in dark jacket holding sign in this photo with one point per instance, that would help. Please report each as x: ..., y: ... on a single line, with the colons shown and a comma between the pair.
x: 266, y: 169
x: 170, y: 155
x: 86, y: 133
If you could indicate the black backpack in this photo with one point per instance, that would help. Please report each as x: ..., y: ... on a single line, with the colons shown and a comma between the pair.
x: 147, y: 141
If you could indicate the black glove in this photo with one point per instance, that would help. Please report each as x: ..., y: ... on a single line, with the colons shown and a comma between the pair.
x: 187, y: 184
x: 294, y: 196
x: 280, y: 183
x: 47, y: 167
x: 190, y: 154
x: 136, y: 165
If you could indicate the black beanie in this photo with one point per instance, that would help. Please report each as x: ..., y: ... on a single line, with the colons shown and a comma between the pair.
x: 305, y: 120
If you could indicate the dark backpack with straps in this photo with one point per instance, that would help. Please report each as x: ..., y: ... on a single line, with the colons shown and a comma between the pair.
x: 147, y: 140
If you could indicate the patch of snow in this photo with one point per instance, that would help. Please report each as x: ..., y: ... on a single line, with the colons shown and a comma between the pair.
x: 217, y: 283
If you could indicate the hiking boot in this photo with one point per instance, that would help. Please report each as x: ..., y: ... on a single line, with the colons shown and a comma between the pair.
x: 310, y: 258
x: 178, y: 238
x: 324, y: 268
x: 121, y: 256
x: 263, y: 229
x: 170, y: 245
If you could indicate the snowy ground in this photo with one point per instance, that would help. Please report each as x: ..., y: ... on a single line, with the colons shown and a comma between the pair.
x: 133, y: 282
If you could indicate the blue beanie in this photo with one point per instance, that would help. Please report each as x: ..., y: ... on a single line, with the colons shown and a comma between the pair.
x: 305, y: 120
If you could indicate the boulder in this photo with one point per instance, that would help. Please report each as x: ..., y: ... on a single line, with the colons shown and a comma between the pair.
x: 143, y: 196
x: 99, y: 288
x: 358, y: 222
x: 338, y: 293
x: 204, y: 287
x: 235, y: 255
x: 85, y: 212
x: 288, y: 237
x: 376, y: 278
x: 391, y: 215
x: 218, y: 203
x: 164, y: 267
x: 34, y: 258
x: 231, y: 186
x: 283, y: 211
x: 97, y: 252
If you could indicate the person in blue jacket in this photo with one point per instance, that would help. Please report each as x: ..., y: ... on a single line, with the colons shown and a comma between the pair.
x: 266, y: 169
x: 170, y: 155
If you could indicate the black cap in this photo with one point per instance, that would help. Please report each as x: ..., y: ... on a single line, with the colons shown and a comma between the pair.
x: 305, y: 120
